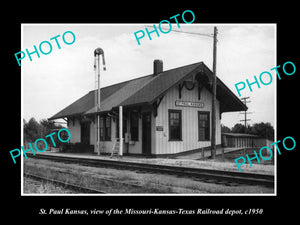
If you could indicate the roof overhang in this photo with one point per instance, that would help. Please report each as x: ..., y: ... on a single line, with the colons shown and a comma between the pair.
x: 148, y: 89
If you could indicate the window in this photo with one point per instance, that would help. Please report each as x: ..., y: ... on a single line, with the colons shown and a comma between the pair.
x: 134, y: 126
x: 175, y: 125
x: 203, y: 126
x: 105, y: 128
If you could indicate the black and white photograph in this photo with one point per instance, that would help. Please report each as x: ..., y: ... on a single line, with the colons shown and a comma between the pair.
x: 150, y: 109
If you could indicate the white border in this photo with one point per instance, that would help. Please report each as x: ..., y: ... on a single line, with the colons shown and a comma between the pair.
x: 143, y: 24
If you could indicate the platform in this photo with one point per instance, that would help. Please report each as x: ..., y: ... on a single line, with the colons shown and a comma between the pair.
x: 207, y: 153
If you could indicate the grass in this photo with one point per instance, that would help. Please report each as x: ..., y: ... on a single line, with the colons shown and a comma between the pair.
x: 30, y: 186
x: 153, y: 183
x: 85, y: 176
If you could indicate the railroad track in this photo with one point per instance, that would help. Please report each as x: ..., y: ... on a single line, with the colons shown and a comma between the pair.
x: 206, y: 175
x: 63, y: 184
x: 109, y: 186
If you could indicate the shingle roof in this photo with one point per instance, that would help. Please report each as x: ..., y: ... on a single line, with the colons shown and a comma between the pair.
x: 147, y: 89
x: 160, y: 84
x: 87, y: 102
x: 121, y: 94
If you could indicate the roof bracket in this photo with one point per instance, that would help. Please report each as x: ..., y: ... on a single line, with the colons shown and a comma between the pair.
x: 180, y: 86
x: 156, y: 105
x: 200, y: 88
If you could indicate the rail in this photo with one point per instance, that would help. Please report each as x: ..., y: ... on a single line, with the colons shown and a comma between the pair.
x: 198, y: 173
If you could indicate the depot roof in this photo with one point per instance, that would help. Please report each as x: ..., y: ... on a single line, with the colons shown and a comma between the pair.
x: 146, y: 90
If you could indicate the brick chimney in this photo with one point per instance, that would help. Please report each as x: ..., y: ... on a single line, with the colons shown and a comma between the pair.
x: 157, y: 66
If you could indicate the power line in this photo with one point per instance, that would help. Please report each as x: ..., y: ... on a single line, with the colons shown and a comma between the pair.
x: 214, y: 80
x: 179, y: 31
x: 245, y: 112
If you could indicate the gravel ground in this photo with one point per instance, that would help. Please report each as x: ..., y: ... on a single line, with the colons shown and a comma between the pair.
x: 160, y: 183
x: 206, y: 164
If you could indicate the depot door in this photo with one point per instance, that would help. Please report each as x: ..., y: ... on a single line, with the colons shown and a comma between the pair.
x: 85, y: 133
x: 146, y: 133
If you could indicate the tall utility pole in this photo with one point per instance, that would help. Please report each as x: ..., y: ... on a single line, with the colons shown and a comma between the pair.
x: 245, y: 112
x: 214, y: 89
x: 97, y: 54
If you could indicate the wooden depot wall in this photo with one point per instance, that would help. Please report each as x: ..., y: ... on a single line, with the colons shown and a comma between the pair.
x: 160, y: 143
x: 189, y: 121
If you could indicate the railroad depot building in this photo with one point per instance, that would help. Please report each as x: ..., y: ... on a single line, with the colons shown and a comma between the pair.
x: 164, y: 113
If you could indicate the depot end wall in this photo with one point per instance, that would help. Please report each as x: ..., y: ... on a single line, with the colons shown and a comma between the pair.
x: 189, y: 122
x: 74, y: 128
x: 133, y: 147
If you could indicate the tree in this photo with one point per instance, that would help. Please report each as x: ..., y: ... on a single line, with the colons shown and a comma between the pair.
x: 264, y: 130
x: 48, y: 126
x: 238, y: 128
x: 32, y: 130
x: 225, y: 129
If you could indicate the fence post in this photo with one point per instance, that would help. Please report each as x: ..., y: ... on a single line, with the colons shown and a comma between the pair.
x: 244, y: 153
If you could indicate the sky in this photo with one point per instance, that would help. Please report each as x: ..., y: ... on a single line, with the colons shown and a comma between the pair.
x: 54, y: 81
